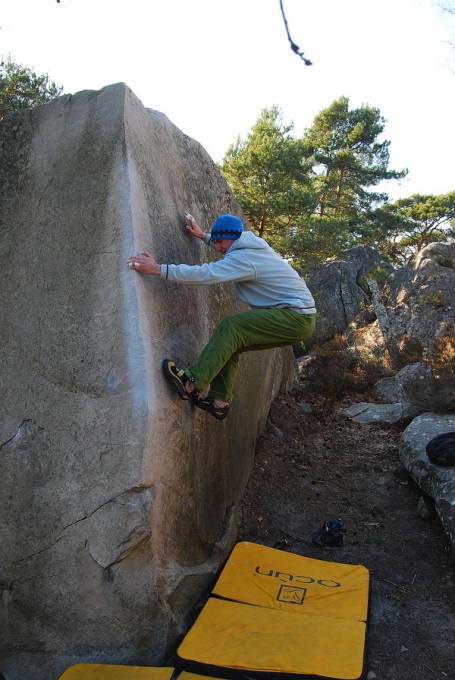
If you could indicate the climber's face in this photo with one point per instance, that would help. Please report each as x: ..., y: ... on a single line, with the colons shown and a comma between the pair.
x: 222, y: 245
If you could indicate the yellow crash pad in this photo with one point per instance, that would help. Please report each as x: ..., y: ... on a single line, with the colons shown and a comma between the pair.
x: 266, y: 577
x: 245, y: 638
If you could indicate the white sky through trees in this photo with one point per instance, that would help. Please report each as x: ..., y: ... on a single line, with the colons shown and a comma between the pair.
x: 212, y: 65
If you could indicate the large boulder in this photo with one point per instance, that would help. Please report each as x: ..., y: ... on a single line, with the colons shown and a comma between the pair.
x: 339, y: 291
x: 118, y: 503
x: 418, y: 389
x: 419, y: 346
x: 421, y: 302
x: 420, y: 305
x: 436, y: 481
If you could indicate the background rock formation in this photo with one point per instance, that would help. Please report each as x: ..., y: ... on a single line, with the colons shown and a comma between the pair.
x: 408, y: 334
x: 339, y: 287
x: 436, y: 481
x: 117, y: 502
x: 406, y: 337
x: 419, y: 300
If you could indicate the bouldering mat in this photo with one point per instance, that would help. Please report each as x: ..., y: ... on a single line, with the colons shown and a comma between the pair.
x: 230, y: 639
x: 266, y: 577
x: 274, y: 612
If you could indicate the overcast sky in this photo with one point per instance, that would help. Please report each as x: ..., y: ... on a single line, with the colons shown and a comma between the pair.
x: 212, y: 65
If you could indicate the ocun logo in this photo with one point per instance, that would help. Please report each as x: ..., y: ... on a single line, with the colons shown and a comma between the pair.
x: 288, y: 578
x: 291, y: 594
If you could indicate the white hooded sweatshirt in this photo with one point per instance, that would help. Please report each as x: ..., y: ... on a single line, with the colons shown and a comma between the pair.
x: 261, y: 277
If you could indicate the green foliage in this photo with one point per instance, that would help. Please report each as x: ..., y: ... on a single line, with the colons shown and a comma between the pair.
x: 347, y: 159
x: 308, y: 196
x: 378, y: 274
x: 402, y: 228
x: 314, y: 238
x: 22, y: 88
x: 435, y: 299
x: 269, y: 177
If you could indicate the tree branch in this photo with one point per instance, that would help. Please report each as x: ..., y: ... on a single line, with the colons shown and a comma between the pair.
x: 295, y: 48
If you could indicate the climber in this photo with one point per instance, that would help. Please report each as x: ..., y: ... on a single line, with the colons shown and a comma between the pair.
x: 282, y: 308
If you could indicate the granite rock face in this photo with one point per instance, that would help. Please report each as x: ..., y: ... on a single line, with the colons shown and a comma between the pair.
x: 420, y: 309
x: 118, y: 503
x: 338, y: 292
x: 421, y: 300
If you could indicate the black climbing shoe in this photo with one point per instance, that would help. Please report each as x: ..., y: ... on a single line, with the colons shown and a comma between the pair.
x: 208, y: 404
x: 177, y: 378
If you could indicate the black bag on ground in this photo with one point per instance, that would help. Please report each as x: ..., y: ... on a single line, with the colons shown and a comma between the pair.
x: 441, y: 449
x: 331, y: 533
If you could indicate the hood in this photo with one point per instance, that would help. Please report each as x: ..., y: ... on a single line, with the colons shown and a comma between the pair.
x: 248, y: 240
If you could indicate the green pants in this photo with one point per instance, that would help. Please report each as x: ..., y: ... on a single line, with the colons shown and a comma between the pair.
x: 245, y: 332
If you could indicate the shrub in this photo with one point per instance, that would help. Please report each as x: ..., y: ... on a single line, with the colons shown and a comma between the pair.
x: 436, y: 299
x: 443, y: 356
x: 336, y: 370
x: 406, y: 350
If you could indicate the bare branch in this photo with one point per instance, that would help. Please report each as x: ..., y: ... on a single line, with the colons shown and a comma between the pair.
x: 295, y: 48
x: 447, y: 6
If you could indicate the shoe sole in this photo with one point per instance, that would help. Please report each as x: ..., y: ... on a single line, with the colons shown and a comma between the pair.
x: 219, y: 414
x: 175, y: 380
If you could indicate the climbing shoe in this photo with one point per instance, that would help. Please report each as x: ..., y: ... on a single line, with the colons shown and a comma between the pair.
x: 177, y: 378
x: 208, y: 404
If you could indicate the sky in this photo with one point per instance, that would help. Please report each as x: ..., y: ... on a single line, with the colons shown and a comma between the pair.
x: 212, y: 66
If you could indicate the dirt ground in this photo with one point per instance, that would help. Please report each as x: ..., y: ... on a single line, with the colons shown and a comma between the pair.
x: 310, y: 467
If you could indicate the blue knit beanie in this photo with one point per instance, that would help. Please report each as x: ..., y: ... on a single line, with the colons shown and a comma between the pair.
x: 226, y: 226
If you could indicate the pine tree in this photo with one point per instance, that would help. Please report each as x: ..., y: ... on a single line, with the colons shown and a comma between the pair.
x: 348, y: 159
x: 22, y: 88
x: 270, y: 178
